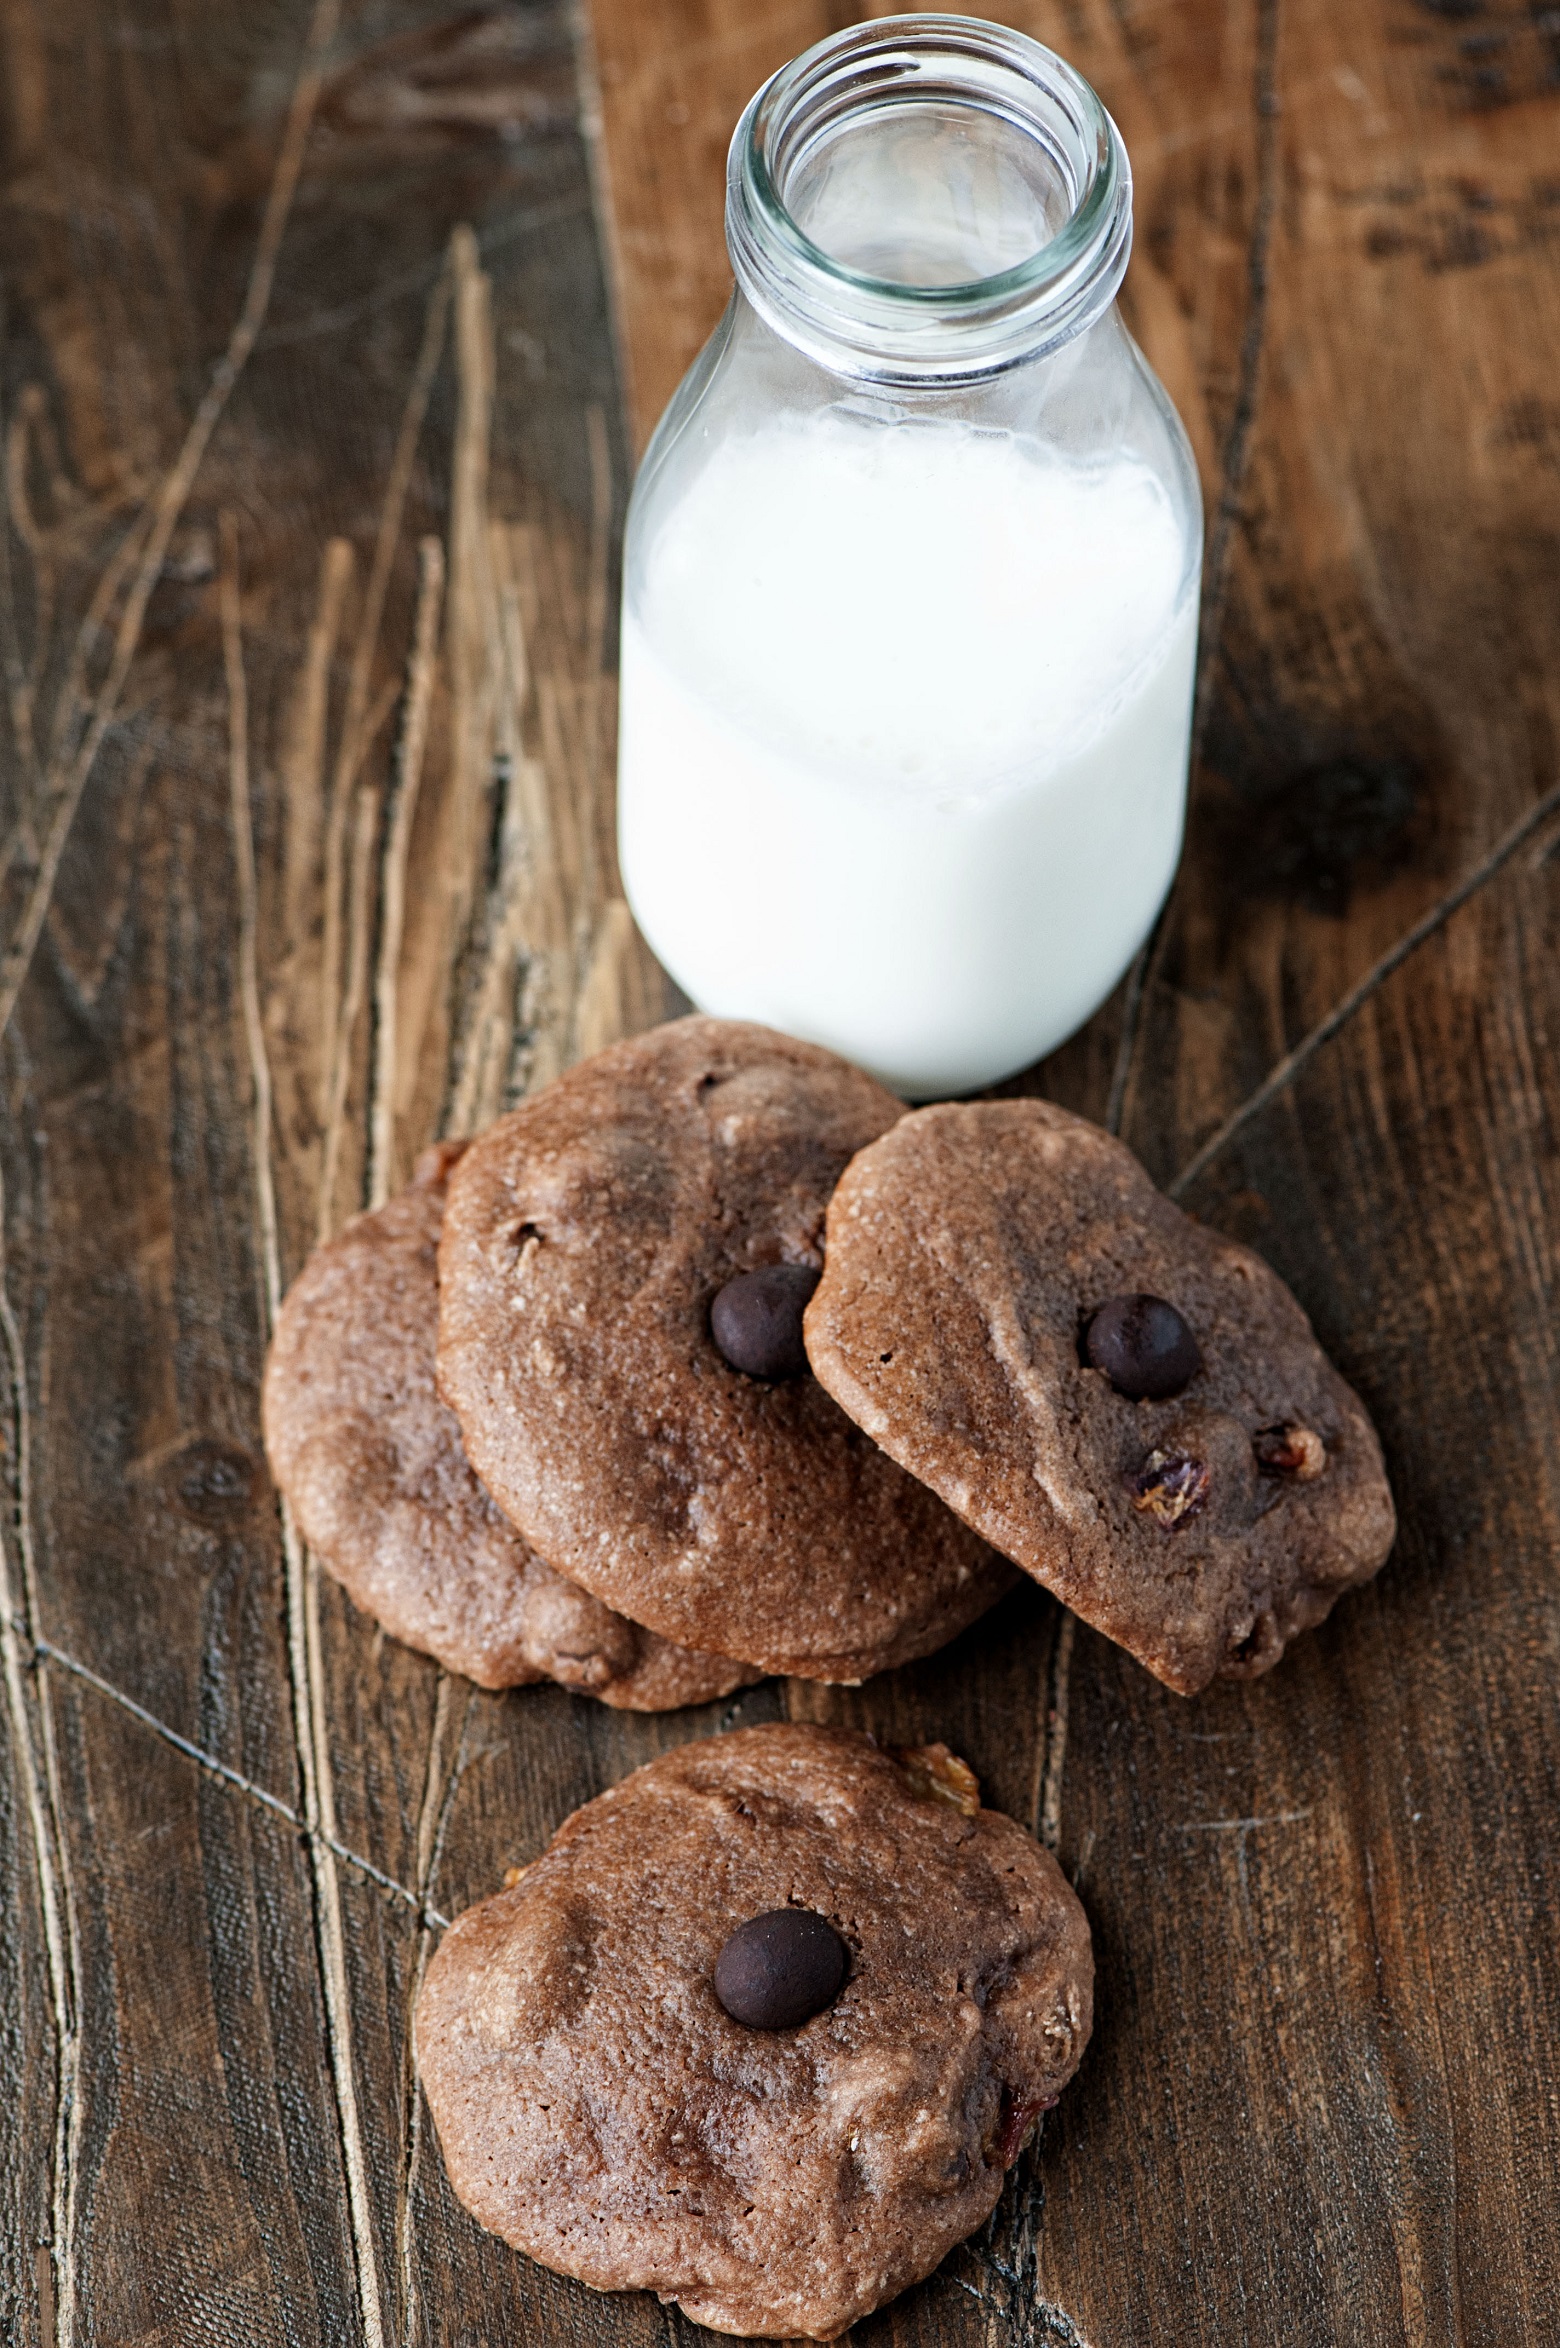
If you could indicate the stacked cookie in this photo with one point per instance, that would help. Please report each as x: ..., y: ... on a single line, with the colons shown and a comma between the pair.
x: 548, y: 1414
x: 711, y: 1361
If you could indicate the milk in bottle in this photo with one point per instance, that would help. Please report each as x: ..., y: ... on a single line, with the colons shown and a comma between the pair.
x: 910, y: 605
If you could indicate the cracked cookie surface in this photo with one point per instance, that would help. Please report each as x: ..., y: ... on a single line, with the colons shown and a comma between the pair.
x: 968, y: 1251
x: 372, y: 1463
x: 599, y: 2108
x: 586, y: 1238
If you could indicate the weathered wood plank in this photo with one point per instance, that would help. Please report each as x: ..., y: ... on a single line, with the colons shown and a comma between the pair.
x: 1311, y: 2104
x: 404, y: 529
x: 1352, y: 1974
x: 1386, y: 703
x: 404, y: 525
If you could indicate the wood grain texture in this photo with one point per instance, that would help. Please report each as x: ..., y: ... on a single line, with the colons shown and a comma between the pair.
x: 314, y: 460
x: 307, y: 857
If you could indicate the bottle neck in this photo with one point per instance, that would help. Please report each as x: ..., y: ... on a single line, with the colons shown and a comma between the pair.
x: 928, y: 201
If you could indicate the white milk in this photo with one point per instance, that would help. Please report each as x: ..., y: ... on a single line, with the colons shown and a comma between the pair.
x: 904, y: 738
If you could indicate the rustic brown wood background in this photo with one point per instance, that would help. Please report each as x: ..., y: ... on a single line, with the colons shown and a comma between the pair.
x: 315, y: 447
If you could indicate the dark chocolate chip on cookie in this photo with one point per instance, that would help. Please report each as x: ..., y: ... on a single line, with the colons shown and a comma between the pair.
x: 602, y: 2107
x: 623, y: 1262
x: 1133, y: 1407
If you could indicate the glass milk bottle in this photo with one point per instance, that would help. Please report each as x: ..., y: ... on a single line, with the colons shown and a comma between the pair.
x: 911, y: 579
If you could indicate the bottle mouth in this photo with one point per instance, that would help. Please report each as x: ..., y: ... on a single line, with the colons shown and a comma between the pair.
x: 926, y: 200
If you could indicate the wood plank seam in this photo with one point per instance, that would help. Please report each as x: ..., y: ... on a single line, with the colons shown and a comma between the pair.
x: 1046, y: 1821
x: 592, y: 121
x: 36, y: 1761
x: 172, y: 496
x: 429, y: 1819
x: 310, y: 1728
x: 1283, y: 1073
x: 1226, y: 514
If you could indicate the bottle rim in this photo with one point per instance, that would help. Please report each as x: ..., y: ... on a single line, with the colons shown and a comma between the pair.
x: 881, y: 330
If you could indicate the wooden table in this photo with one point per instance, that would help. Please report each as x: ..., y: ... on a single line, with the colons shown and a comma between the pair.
x: 315, y: 452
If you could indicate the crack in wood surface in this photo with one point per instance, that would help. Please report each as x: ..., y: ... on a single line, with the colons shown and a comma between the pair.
x: 476, y: 667
x: 357, y: 732
x: 172, y: 496
x: 1018, y: 2313
x: 432, y: 1825
x: 310, y: 1728
x: 392, y: 874
x: 1226, y: 518
x: 44, y: 1651
x: 1284, y: 1072
x: 36, y: 1763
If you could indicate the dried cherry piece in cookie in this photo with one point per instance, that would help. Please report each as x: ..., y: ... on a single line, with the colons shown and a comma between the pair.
x: 1019, y: 2114
x: 1290, y: 1450
x: 1170, y: 1486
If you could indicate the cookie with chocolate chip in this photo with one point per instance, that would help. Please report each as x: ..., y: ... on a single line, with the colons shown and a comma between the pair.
x: 781, y: 2169
x: 622, y: 1275
x: 1128, y: 1404
x: 371, y: 1461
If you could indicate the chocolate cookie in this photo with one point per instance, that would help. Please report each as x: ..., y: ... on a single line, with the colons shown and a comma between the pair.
x: 1131, y: 1406
x: 371, y: 1461
x: 622, y: 1272
x: 785, y: 2171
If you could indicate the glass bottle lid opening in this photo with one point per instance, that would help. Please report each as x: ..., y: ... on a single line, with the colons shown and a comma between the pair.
x: 927, y: 199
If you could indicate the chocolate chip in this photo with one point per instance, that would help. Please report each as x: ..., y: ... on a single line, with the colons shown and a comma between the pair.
x: 756, y: 1320
x: 1143, y: 1346
x: 780, y: 1969
x: 1170, y: 1486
